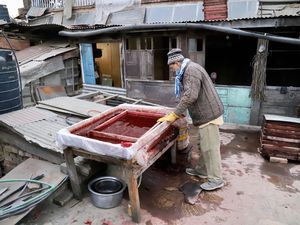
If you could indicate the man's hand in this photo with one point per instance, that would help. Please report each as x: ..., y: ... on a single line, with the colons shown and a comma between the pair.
x: 171, y: 117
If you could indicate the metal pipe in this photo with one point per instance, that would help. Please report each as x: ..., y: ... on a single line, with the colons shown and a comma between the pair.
x: 270, y: 37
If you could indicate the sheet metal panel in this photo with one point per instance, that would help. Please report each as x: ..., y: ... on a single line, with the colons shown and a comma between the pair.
x: 158, y: 92
x: 112, y: 90
x: 80, y: 107
x: 36, y: 11
x: 134, y: 16
x: 271, y: 117
x: 242, y: 8
x: 175, y: 13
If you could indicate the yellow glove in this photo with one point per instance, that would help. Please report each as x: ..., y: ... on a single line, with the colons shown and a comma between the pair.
x: 171, y: 117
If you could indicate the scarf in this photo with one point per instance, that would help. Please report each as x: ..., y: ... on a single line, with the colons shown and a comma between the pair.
x: 179, y: 77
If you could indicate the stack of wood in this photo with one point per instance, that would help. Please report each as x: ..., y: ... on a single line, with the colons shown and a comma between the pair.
x: 280, y: 137
x: 215, y: 9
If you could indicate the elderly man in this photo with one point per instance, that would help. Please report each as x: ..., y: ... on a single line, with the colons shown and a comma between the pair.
x: 198, y: 95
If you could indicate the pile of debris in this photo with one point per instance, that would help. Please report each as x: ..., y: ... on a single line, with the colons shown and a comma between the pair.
x: 280, y: 137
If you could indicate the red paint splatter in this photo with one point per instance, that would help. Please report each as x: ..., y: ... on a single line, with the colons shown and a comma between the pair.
x: 126, y: 144
x: 106, y: 222
x: 88, y: 222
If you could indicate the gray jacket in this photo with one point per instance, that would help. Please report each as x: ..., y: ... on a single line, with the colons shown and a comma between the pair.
x: 199, y: 96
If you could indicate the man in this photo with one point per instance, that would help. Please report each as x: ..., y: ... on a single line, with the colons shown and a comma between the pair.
x: 198, y: 95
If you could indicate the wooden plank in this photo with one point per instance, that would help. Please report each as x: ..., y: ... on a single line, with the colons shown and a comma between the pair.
x: 290, y: 140
x: 281, y: 133
x: 17, y: 44
x: 280, y: 149
x: 111, y: 120
x: 98, y: 157
x: 278, y: 160
x: 281, y: 143
x: 283, y: 126
x: 98, y: 135
x: 280, y: 154
x: 72, y: 172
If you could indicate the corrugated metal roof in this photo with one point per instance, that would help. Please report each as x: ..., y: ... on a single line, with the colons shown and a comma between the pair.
x: 41, y: 52
x: 175, y: 13
x: 54, y: 52
x: 37, y: 125
x: 28, y: 54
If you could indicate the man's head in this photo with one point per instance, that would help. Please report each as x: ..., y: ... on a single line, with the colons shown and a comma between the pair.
x: 175, y: 58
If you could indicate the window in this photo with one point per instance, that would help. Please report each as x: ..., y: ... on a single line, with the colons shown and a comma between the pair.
x: 173, y: 43
x: 131, y: 44
x: 195, y: 45
x: 146, y: 43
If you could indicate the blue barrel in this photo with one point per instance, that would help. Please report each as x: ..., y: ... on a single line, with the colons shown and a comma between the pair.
x: 10, y: 94
x: 4, y: 13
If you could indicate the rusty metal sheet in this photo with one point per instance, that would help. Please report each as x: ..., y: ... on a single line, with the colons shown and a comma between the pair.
x: 48, y: 92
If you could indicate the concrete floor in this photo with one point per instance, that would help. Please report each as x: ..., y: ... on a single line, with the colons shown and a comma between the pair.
x: 256, y: 192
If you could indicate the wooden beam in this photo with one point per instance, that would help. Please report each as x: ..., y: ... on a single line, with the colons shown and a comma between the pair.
x: 17, y: 44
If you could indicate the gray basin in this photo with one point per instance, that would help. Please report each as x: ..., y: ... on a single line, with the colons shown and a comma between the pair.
x: 106, y: 192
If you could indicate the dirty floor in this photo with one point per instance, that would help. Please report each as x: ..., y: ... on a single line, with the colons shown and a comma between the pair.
x: 256, y: 192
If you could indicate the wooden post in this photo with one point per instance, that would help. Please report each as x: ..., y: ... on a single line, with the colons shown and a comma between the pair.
x: 133, y: 195
x: 72, y: 172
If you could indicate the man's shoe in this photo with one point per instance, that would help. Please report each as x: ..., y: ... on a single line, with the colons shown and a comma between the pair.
x: 193, y: 172
x: 212, y: 184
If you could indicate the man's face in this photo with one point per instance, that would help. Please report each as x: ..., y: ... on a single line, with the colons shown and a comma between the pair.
x: 174, y: 66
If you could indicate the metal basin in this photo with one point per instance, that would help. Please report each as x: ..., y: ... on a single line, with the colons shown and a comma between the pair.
x: 106, y: 192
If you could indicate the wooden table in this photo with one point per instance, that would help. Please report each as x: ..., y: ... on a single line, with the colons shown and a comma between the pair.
x: 131, y: 172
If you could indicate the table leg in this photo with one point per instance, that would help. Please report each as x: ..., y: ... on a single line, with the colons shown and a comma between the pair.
x: 173, y: 153
x: 72, y: 172
x: 133, y: 196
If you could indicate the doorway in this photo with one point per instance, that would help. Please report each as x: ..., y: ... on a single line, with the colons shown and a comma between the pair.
x: 108, y: 64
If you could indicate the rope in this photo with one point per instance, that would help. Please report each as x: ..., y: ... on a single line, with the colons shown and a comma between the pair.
x: 259, y: 63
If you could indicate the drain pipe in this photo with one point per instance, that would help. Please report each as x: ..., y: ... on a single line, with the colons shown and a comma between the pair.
x: 118, y: 29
